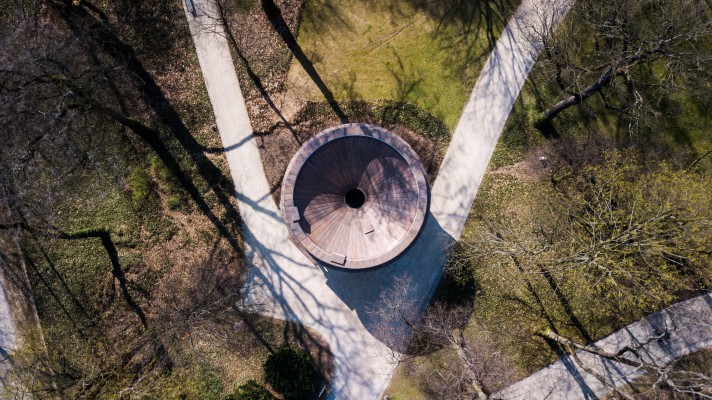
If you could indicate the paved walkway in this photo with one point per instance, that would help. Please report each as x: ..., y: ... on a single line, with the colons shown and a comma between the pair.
x: 17, y: 310
x: 8, y: 332
x: 284, y: 284
x: 688, y: 324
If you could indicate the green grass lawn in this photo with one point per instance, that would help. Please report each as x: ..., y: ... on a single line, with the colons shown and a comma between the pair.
x: 404, y: 386
x: 406, y: 381
x: 396, y: 50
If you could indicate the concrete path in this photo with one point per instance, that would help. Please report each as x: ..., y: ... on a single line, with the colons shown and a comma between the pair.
x: 17, y: 312
x: 283, y: 284
x: 487, y: 110
x: 8, y: 333
x: 688, y: 324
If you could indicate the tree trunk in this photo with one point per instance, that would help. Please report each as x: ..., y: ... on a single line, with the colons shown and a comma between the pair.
x: 601, y: 82
x: 592, y: 89
x: 618, y: 356
x: 458, y: 343
x: 572, y: 346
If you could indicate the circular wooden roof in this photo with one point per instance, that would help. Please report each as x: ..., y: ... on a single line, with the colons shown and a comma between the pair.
x: 354, y: 196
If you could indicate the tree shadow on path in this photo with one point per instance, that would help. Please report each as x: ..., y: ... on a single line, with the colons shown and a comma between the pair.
x: 407, y: 284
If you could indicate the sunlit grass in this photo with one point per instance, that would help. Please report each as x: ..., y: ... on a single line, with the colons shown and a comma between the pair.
x: 395, y: 50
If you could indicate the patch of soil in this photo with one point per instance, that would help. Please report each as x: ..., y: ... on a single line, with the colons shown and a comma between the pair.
x: 530, y: 169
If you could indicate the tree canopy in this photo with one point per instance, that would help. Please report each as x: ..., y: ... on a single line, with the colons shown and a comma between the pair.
x: 619, y: 235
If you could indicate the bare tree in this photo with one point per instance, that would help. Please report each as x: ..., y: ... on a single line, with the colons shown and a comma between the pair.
x: 624, y: 237
x: 680, y: 382
x: 72, y: 101
x: 631, y: 53
x: 477, y: 368
x: 614, y: 233
x: 395, y: 314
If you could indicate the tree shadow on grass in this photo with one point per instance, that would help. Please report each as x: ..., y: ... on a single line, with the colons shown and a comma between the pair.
x: 407, y: 82
x: 34, y: 269
x: 96, y: 34
x: 291, y: 334
x: 116, y: 270
x: 14, y: 266
x: 280, y: 26
x: 538, y: 308
x: 62, y: 281
x: 463, y: 23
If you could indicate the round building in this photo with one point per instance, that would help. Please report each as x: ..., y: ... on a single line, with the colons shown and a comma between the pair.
x: 354, y: 196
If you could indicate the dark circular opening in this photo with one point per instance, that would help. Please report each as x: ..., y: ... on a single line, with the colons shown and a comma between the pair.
x: 355, y: 198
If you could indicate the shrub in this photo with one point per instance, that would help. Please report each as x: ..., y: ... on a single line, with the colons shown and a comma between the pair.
x: 140, y: 185
x: 383, y: 112
x: 174, y: 201
x: 211, y: 386
x: 244, y: 6
x: 250, y: 390
x: 291, y: 373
